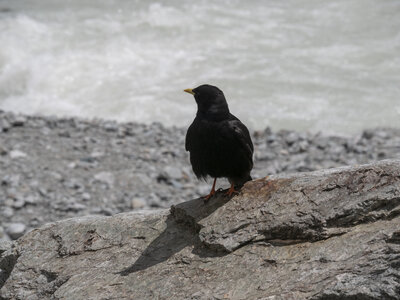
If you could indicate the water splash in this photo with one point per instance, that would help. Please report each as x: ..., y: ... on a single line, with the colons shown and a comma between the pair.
x: 300, y: 65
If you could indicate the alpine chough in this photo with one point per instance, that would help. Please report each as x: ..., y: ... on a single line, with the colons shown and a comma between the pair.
x: 219, y: 144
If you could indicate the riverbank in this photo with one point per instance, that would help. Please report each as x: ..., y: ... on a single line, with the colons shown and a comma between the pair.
x: 55, y: 168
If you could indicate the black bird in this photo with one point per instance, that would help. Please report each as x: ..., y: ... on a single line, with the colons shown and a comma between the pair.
x: 219, y: 144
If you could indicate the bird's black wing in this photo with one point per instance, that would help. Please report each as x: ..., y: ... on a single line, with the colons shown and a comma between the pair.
x: 242, y: 135
x: 190, y: 139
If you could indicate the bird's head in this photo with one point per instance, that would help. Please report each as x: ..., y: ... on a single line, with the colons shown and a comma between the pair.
x: 210, y: 101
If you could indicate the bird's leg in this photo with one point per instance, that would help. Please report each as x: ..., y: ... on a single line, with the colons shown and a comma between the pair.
x: 212, y: 192
x: 231, y: 190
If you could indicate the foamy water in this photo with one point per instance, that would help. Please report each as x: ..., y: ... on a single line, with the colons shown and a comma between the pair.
x: 307, y: 65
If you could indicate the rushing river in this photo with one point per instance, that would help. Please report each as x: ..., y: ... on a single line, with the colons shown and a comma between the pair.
x: 330, y: 66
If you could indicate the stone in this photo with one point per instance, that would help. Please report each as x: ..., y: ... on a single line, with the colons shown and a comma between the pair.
x: 18, y: 202
x: 173, y: 172
x: 138, y: 203
x: 14, y: 154
x: 18, y: 120
x: 64, y: 133
x: 86, y: 197
x: 74, y: 206
x: 292, y: 138
x: 15, y: 230
x: 3, y: 150
x: 72, y: 165
x: 30, y: 199
x: 367, y: 134
x: 2, y: 233
x: 4, y: 125
x: 110, y: 126
x: 7, y: 212
x: 329, y: 234
x: 105, y: 177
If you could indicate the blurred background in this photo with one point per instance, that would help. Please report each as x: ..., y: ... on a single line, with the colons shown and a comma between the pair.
x: 316, y: 82
x: 331, y: 66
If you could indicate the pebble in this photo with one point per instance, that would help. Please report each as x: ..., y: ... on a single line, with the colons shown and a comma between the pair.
x: 3, y: 151
x: 74, y: 207
x: 138, y: 203
x: 291, y: 138
x: 18, y: 120
x: 110, y: 126
x: 14, y: 154
x: 173, y: 172
x: 86, y: 197
x: 105, y: 177
x: 56, y: 176
x: 2, y: 234
x: 72, y: 165
x: 4, y: 125
x: 74, y: 183
x: 18, y: 202
x: 7, y: 212
x: 15, y: 230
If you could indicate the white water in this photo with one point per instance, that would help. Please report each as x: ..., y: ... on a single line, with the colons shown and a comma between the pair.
x: 299, y: 64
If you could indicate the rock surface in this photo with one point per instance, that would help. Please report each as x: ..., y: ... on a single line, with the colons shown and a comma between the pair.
x: 331, y: 234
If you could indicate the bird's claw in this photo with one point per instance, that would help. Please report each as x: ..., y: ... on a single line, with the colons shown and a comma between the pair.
x: 231, y: 192
x: 208, y: 197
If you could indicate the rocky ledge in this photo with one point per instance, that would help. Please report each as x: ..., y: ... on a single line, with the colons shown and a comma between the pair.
x: 330, y: 234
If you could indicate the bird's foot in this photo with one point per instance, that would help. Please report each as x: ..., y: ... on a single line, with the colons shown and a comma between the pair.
x: 208, y: 197
x: 231, y: 191
x: 212, y: 192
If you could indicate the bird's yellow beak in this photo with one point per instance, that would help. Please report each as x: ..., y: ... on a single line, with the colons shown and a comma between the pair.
x: 190, y: 91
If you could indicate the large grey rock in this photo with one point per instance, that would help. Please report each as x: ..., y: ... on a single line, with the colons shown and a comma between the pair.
x: 332, y: 234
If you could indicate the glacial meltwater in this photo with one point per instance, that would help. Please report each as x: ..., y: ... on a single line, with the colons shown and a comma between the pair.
x: 331, y: 66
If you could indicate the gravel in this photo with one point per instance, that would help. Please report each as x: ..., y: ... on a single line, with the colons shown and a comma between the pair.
x: 55, y: 168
